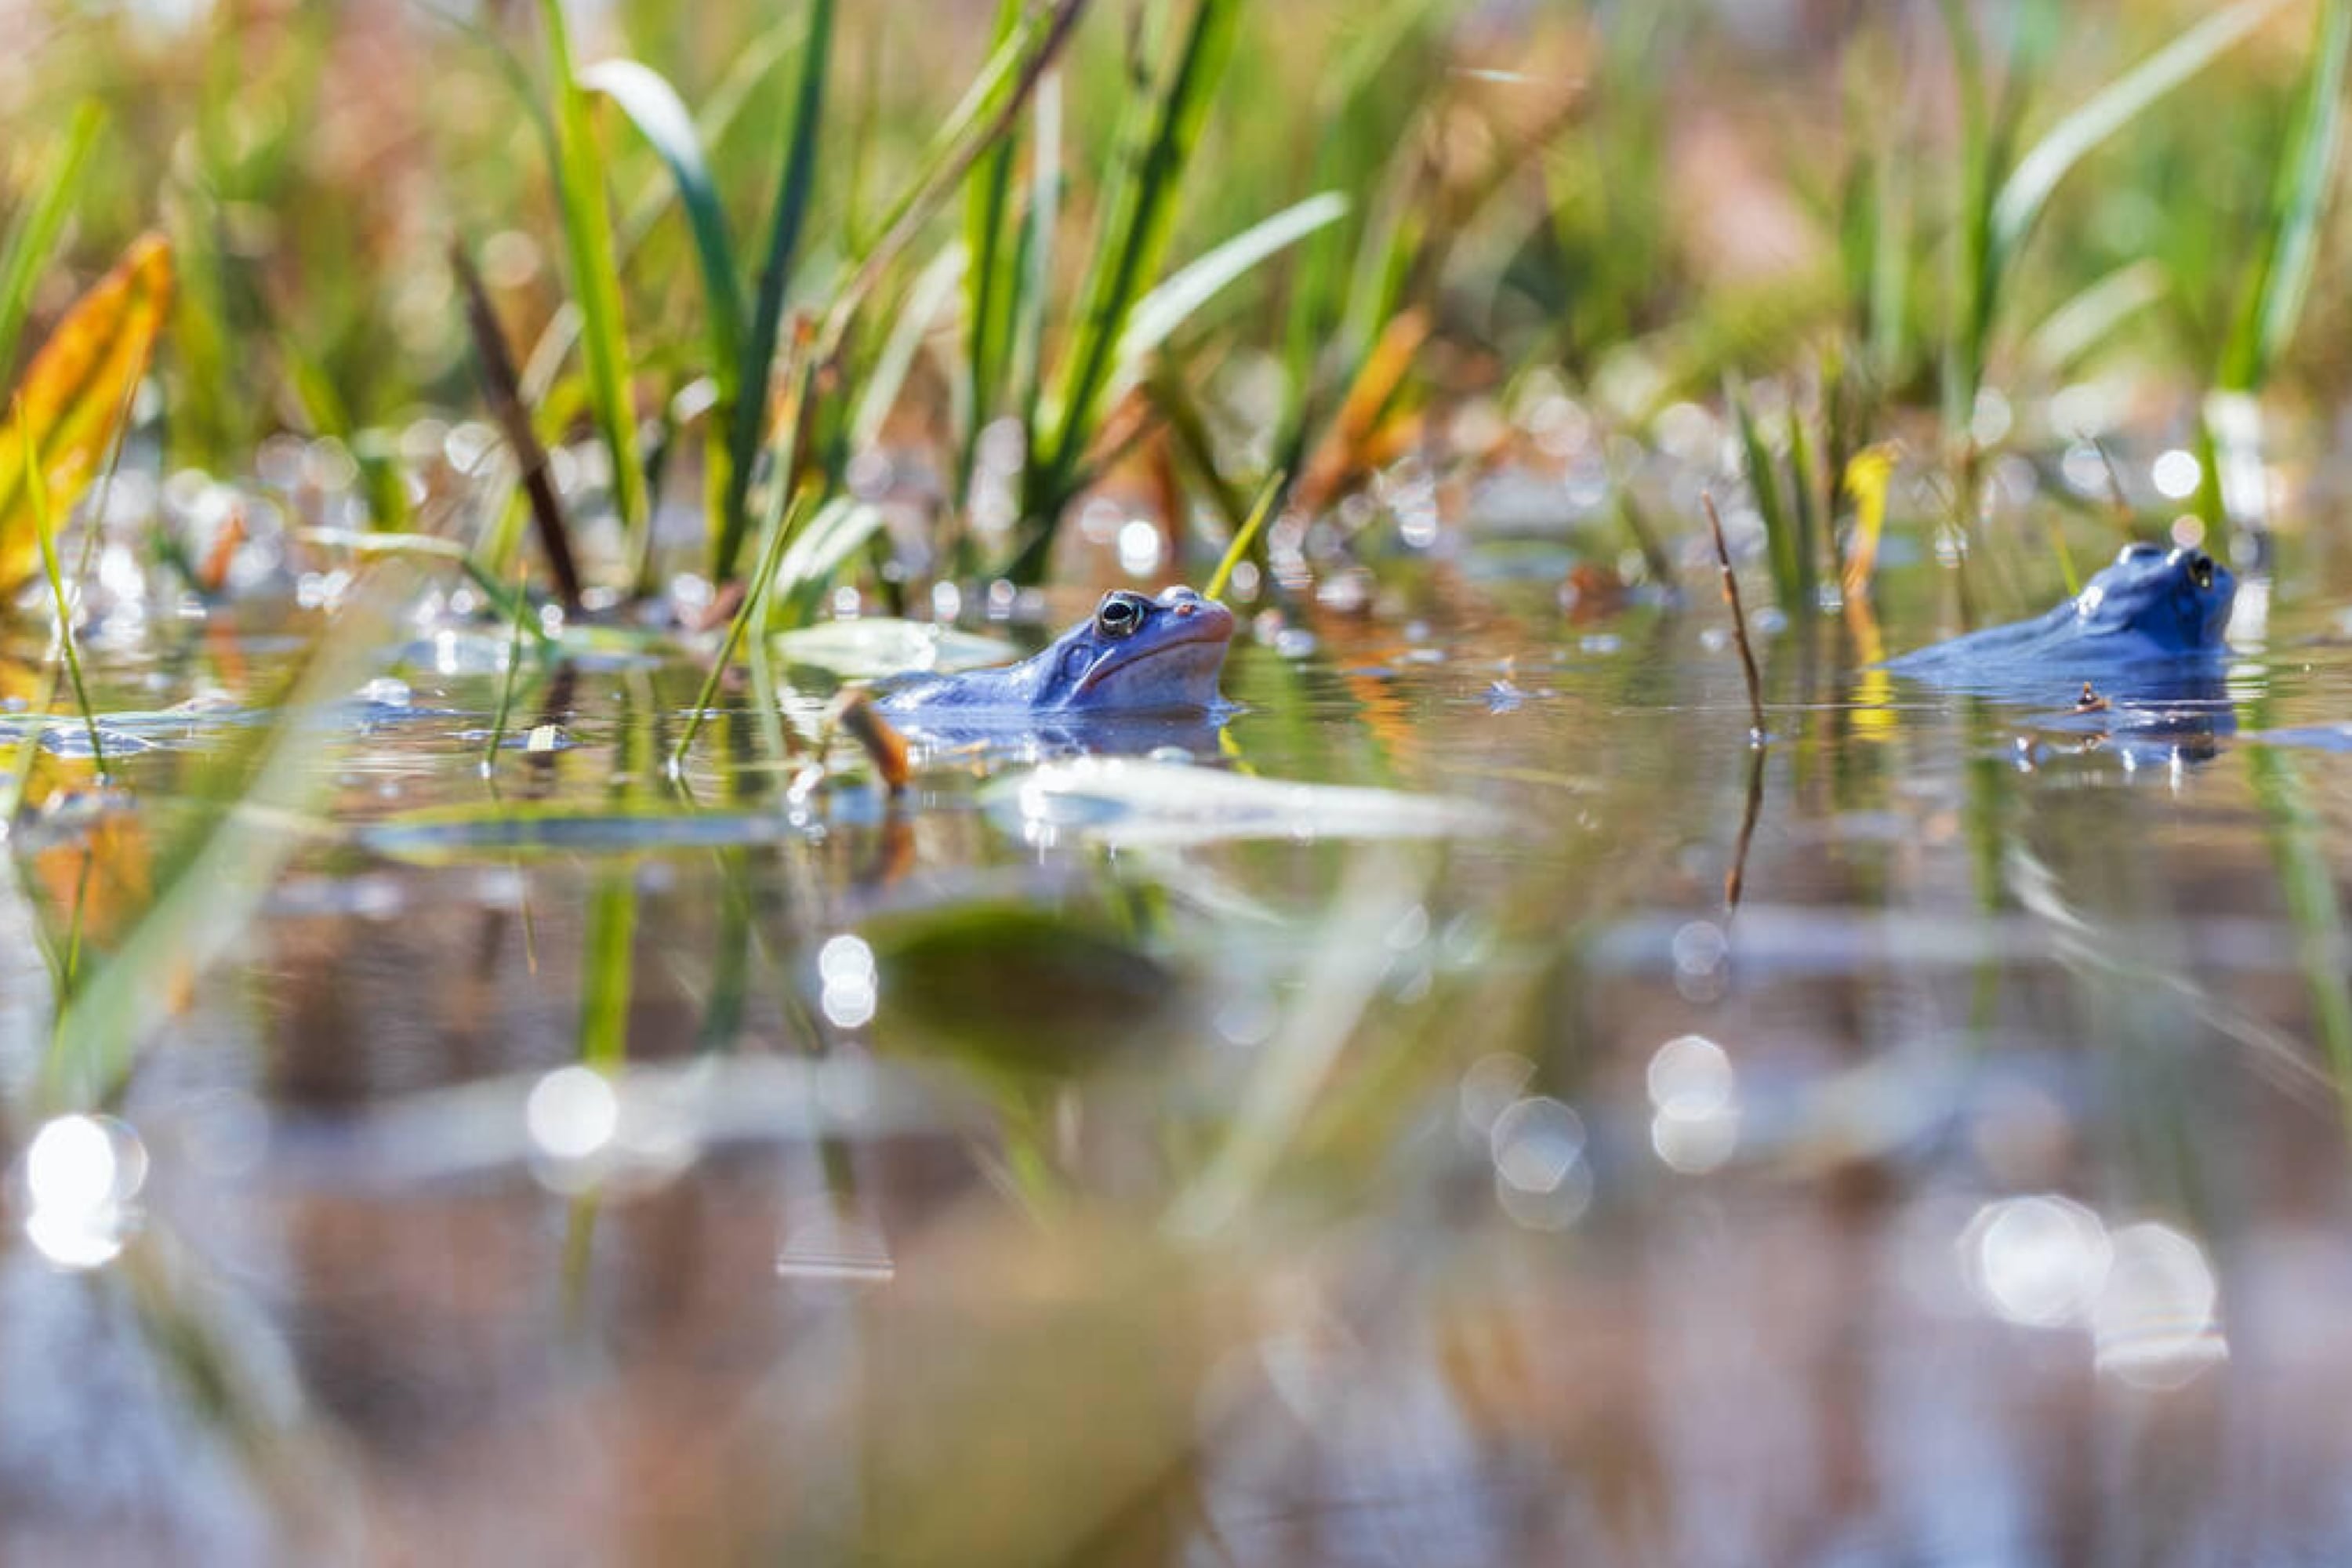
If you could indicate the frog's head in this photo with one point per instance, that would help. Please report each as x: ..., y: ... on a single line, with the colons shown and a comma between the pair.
x: 2178, y: 600
x: 1137, y: 655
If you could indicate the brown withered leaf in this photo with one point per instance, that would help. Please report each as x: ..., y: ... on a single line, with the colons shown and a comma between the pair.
x: 76, y: 391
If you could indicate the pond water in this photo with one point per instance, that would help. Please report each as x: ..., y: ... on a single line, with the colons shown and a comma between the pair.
x: 952, y: 1184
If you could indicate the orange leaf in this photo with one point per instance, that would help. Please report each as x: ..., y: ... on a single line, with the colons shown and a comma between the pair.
x: 76, y: 391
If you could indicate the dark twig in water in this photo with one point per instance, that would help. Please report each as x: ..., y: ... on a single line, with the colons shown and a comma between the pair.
x: 1738, y: 624
x: 501, y: 386
x: 1736, y: 878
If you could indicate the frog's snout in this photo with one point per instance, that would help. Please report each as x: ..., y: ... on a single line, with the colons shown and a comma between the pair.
x: 1186, y: 605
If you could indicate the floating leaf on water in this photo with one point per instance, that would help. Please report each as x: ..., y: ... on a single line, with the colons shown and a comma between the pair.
x: 76, y: 391
x: 871, y: 648
x: 1124, y: 802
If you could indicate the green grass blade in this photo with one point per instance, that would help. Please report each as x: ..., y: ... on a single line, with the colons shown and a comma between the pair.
x: 1027, y: 370
x: 721, y: 110
x: 513, y: 674
x: 2282, y: 273
x: 654, y: 106
x: 1139, y: 216
x: 1764, y: 484
x: 986, y: 115
x: 322, y: 405
x: 34, y: 234
x: 595, y: 276
x: 915, y: 318
x: 1162, y: 312
x: 991, y: 279
x: 1805, y: 527
x: 783, y: 524
x: 795, y: 188
x: 2026, y: 190
x: 2076, y: 327
x: 1246, y: 535
x: 840, y: 529
x: 36, y: 487
x: 1963, y: 363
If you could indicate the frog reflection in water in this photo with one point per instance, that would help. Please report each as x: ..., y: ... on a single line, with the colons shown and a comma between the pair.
x: 1135, y: 668
x: 2145, y: 636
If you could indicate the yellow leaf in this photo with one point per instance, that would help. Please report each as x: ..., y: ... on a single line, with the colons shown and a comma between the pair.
x: 1866, y: 476
x: 75, y: 392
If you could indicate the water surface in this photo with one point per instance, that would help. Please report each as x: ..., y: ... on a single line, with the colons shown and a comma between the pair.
x: 1974, y: 1190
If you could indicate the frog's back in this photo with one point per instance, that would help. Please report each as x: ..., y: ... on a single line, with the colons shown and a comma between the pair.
x: 2152, y: 619
x: 2021, y: 645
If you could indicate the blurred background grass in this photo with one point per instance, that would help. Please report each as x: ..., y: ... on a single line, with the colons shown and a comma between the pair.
x: 1640, y: 199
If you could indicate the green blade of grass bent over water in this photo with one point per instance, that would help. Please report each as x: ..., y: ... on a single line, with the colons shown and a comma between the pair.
x: 212, y: 878
x: 35, y: 234
x: 595, y: 277
x: 783, y: 523
x: 795, y: 188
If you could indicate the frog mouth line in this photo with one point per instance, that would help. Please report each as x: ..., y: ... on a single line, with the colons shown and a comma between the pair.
x: 1211, y: 635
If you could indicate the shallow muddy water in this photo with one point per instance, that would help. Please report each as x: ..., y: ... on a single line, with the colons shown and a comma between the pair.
x: 974, y: 1191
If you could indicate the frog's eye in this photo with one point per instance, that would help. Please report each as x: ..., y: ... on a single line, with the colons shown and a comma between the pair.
x: 1118, y: 614
x: 2200, y: 569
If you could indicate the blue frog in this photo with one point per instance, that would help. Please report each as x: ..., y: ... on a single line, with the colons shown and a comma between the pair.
x: 1133, y: 657
x: 2133, y: 664
x: 2151, y: 624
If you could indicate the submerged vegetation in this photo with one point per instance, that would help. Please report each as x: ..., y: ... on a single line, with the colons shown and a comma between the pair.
x: 463, y: 465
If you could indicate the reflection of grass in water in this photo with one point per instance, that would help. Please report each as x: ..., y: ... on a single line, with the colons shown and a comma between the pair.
x: 212, y: 874
x: 2307, y: 883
